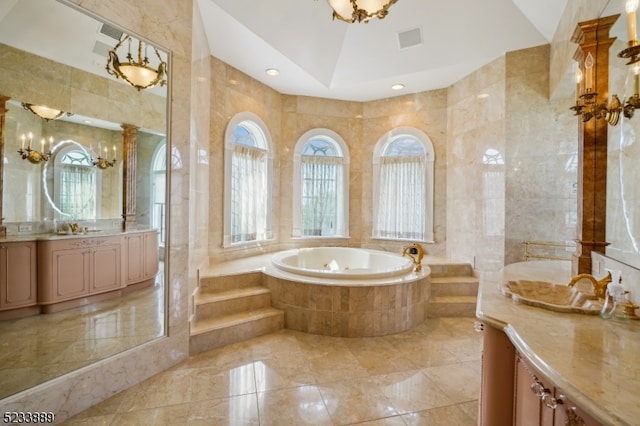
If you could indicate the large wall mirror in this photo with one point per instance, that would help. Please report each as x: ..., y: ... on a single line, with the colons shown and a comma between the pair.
x: 623, y: 173
x: 54, y: 55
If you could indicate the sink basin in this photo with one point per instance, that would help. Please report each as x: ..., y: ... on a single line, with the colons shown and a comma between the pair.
x: 555, y: 297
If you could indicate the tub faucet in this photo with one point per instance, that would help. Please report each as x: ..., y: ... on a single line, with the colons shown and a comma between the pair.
x: 599, y: 285
x: 416, y: 253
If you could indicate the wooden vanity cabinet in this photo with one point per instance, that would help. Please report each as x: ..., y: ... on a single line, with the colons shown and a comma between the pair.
x: 513, y: 392
x: 140, y: 258
x: 17, y: 275
x: 78, y: 267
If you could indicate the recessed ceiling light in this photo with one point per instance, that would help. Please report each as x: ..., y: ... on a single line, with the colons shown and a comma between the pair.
x: 233, y: 82
x: 398, y: 86
x: 483, y: 95
x: 272, y: 71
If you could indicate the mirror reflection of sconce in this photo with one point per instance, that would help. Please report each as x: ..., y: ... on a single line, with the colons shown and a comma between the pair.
x: 32, y: 155
x: 44, y: 112
x: 102, y: 162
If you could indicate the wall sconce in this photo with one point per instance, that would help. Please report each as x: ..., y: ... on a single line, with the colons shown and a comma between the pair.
x: 633, y: 51
x: 587, y: 105
x: 102, y: 162
x: 33, y: 156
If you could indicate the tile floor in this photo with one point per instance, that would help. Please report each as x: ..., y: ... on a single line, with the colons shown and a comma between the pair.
x: 38, y: 348
x: 429, y: 375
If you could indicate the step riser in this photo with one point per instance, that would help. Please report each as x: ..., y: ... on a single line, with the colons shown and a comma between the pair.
x: 236, y: 333
x: 454, y: 289
x: 230, y: 282
x: 456, y: 270
x: 449, y: 310
x: 236, y: 305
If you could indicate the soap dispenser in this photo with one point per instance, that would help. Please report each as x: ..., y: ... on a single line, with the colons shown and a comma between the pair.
x: 616, y: 302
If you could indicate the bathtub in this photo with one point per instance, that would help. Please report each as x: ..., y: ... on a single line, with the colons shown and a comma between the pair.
x: 342, y: 263
x: 347, y: 292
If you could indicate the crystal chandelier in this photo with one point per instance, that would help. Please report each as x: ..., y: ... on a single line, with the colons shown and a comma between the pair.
x: 360, y: 10
x: 137, y: 73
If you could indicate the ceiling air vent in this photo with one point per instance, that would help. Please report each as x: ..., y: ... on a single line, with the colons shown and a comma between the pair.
x: 110, y: 31
x: 101, y: 48
x: 409, y: 38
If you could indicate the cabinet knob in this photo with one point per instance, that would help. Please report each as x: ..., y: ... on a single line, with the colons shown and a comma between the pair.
x: 478, y: 326
x: 538, y: 389
x: 550, y: 401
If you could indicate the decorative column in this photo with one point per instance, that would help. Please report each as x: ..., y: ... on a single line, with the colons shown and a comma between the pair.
x: 593, y: 37
x: 3, y: 114
x: 129, y: 160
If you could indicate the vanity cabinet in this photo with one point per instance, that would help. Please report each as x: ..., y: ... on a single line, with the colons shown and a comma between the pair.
x: 17, y: 275
x: 140, y: 258
x: 514, y: 392
x: 78, y: 267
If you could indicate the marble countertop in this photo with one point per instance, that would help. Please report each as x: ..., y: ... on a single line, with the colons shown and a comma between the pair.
x: 595, y: 362
x: 80, y: 234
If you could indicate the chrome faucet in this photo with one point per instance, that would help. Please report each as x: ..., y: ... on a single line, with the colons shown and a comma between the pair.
x: 599, y: 285
x: 416, y: 253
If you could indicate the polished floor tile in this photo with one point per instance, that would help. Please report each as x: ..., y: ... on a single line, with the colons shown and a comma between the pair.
x: 39, y: 348
x: 429, y: 375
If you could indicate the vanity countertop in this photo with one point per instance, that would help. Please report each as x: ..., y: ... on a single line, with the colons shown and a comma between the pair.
x: 595, y: 362
x: 90, y: 234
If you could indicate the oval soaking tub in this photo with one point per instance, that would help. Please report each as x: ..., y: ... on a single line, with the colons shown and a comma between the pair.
x: 343, y: 263
x: 347, y: 292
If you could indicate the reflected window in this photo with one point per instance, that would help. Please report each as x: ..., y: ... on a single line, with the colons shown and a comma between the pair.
x: 492, y: 156
x: 248, y: 171
x: 158, y: 192
x: 403, y: 186
x: 321, y: 195
x: 76, y: 180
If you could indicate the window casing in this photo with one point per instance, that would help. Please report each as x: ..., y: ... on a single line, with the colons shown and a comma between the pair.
x: 248, y: 172
x: 320, y: 185
x: 403, y: 186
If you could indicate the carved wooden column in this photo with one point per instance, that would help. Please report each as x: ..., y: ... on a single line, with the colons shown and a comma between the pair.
x: 593, y: 37
x: 3, y: 114
x: 129, y: 160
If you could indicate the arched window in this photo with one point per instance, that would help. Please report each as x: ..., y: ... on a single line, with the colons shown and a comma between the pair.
x: 321, y: 190
x: 158, y: 191
x: 248, y: 170
x: 76, y: 183
x: 403, y: 186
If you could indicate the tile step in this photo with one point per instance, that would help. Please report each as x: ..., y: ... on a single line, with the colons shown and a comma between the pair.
x: 220, y: 296
x: 453, y: 299
x: 204, y: 326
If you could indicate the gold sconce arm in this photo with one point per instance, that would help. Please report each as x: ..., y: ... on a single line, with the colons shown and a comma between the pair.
x: 587, y: 107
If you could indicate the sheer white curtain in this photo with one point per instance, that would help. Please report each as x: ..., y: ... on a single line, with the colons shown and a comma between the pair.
x: 320, y: 192
x: 78, y: 192
x: 248, y: 194
x: 401, y: 203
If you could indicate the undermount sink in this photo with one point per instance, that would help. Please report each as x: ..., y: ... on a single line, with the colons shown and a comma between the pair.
x: 555, y: 297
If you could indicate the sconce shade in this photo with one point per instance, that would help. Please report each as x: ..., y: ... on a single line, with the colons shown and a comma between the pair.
x: 44, y: 112
x: 360, y: 10
x: 137, y: 73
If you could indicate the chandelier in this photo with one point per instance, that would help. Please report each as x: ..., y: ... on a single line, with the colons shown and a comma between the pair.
x: 44, y: 112
x: 360, y: 10
x: 137, y: 73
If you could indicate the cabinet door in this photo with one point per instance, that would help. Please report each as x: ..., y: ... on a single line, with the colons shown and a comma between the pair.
x: 105, y: 266
x: 150, y: 255
x: 134, y: 271
x: 71, y: 273
x: 530, y: 389
x: 17, y: 275
x: 567, y: 413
